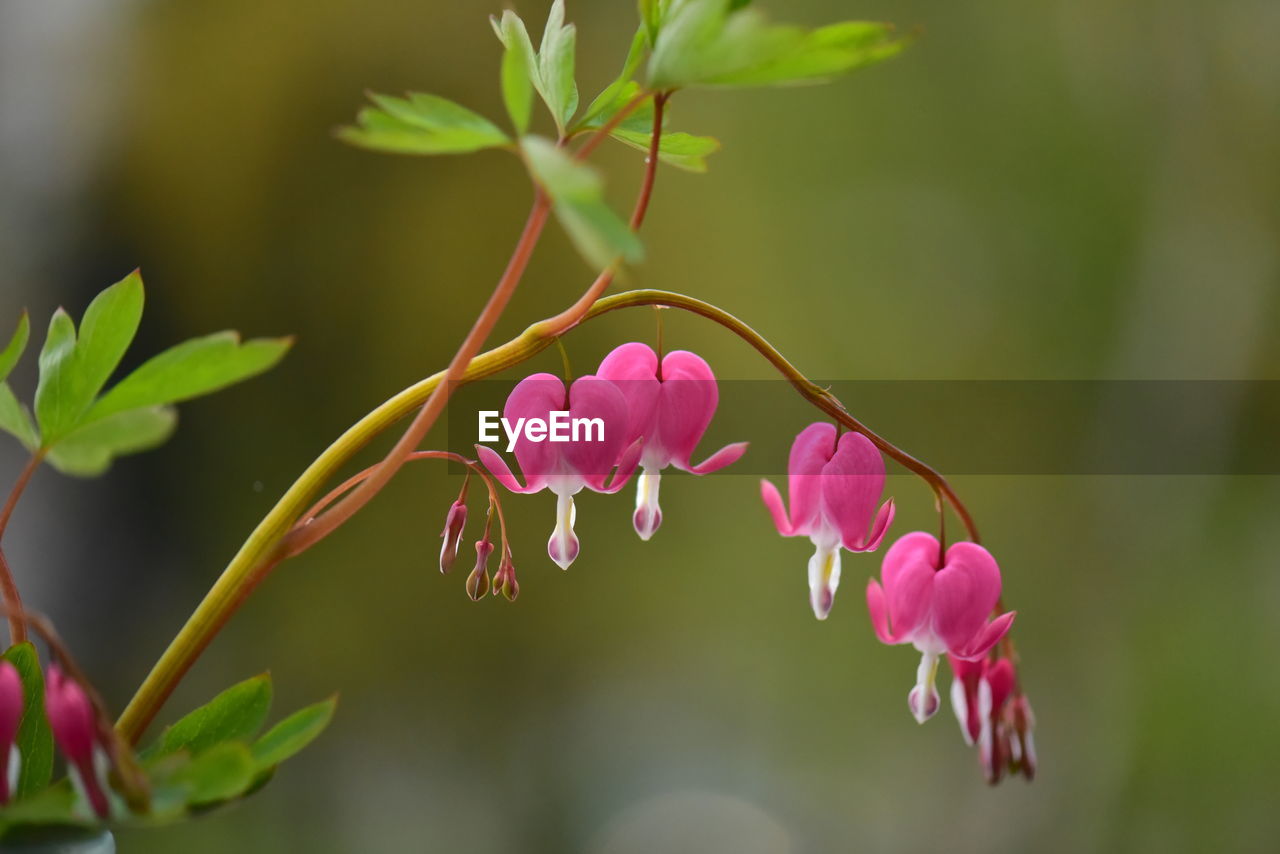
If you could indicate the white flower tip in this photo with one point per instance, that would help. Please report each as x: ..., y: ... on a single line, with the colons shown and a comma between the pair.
x: 923, y: 704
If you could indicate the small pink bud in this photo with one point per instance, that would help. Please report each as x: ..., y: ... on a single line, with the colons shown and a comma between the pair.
x: 75, y: 729
x: 454, y: 522
x: 11, y: 703
x: 504, y: 580
x: 1022, y: 743
x: 478, y: 580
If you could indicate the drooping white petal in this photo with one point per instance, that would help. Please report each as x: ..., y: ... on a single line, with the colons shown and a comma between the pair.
x: 648, y: 515
x: 563, y: 545
x: 923, y: 699
x: 824, y: 577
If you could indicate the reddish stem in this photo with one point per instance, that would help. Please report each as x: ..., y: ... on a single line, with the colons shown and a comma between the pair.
x: 9, y: 595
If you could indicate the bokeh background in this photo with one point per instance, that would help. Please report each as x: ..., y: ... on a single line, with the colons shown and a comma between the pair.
x: 1070, y: 189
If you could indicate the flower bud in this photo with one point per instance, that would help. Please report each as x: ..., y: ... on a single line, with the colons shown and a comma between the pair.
x: 1021, y: 721
x: 75, y: 729
x: 504, y: 580
x: 11, y: 704
x: 478, y: 580
x: 454, y: 522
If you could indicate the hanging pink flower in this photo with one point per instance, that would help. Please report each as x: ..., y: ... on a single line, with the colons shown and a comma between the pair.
x: 979, y: 691
x: 671, y: 405
x: 591, y: 452
x: 11, y: 703
x: 75, y: 729
x: 834, y: 486
x: 937, y: 607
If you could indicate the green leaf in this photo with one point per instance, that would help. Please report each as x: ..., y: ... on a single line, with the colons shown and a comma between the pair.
x: 555, y: 80
x: 652, y: 15
x: 73, y: 372
x: 191, y: 369
x: 235, y: 714
x: 223, y: 771
x: 35, y: 739
x: 422, y: 124
x: 15, y: 419
x: 89, y: 450
x: 679, y: 149
x: 293, y: 733
x: 578, y: 197
x: 612, y: 99
x: 518, y: 68
x: 17, y: 344
x: 716, y: 43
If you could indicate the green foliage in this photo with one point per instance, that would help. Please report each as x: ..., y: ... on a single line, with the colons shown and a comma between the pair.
x: 235, y: 714
x: 680, y: 149
x: 718, y: 43
x: 12, y: 352
x: 422, y: 124
x: 35, y: 739
x: 577, y: 194
x: 518, y: 68
x: 80, y: 432
x: 210, y: 757
x: 612, y: 98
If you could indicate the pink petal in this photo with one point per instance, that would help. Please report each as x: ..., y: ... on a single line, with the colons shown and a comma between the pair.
x: 965, y: 592
x: 988, y: 636
x: 852, y: 483
x: 687, y: 403
x: 810, y: 451
x: 909, y: 576
x: 535, y: 396
x: 1000, y: 677
x: 633, y: 368
x: 879, y: 609
x: 879, y: 528
x: 497, y: 466
x: 592, y: 397
x: 627, y: 465
x: 773, y: 501
x: 726, y: 456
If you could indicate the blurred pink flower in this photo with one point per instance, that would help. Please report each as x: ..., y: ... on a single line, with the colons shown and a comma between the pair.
x: 834, y: 487
x: 566, y: 467
x: 671, y: 405
x: 11, y: 703
x: 75, y: 729
x: 937, y: 607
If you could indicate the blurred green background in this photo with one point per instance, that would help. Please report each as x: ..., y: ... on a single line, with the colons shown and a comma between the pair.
x: 1071, y: 189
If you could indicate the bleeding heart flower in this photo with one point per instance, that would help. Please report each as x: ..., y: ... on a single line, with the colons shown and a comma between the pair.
x: 75, y: 729
x: 11, y: 704
x: 671, y: 405
x: 937, y: 607
x: 979, y: 691
x: 566, y: 467
x: 834, y: 488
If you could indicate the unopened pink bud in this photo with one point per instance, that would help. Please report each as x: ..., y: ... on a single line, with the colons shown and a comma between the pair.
x: 75, y: 729
x: 504, y: 580
x: 1022, y: 743
x: 478, y: 580
x: 12, y: 699
x: 454, y: 522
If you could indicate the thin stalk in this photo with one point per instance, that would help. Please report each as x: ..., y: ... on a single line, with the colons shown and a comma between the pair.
x: 9, y: 595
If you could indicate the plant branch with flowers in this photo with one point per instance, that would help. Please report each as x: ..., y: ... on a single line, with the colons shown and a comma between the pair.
x: 653, y: 407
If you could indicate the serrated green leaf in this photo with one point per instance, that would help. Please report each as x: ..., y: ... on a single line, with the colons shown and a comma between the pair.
x: 35, y: 739
x: 519, y: 67
x: 422, y: 124
x: 89, y: 450
x: 16, y: 419
x: 577, y: 194
x: 191, y: 369
x: 72, y: 371
x: 555, y: 81
x: 16, y: 346
x: 293, y: 733
x: 611, y: 99
x: 223, y: 771
x: 823, y: 53
x: 235, y: 714
x: 679, y: 149
x: 714, y: 43
x: 55, y: 393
